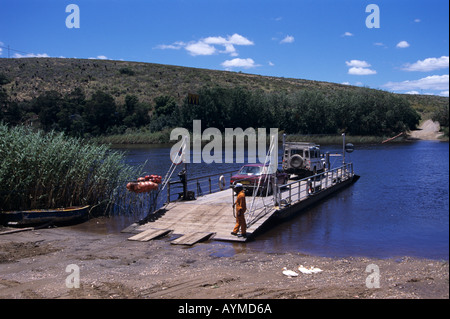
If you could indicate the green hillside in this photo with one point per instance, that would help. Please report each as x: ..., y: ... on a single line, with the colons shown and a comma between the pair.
x: 103, y: 97
x: 32, y: 76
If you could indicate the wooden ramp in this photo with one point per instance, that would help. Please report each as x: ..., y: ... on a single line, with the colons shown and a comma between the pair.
x: 191, y: 238
x: 150, y: 234
x: 207, y: 216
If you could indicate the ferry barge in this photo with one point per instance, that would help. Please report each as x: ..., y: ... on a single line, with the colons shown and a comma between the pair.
x: 206, y: 212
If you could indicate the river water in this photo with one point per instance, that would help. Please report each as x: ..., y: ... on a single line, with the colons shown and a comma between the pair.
x: 399, y: 206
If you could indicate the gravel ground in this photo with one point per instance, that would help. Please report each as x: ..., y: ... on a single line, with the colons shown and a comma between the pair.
x: 43, y: 264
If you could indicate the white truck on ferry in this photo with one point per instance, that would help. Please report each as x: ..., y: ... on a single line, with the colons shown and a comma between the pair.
x: 302, y: 159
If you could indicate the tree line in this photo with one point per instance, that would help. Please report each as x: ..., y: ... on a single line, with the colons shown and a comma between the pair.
x: 308, y: 111
x: 360, y: 111
x: 75, y: 114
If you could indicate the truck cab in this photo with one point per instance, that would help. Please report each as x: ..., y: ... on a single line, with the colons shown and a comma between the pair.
x: 302, y: 159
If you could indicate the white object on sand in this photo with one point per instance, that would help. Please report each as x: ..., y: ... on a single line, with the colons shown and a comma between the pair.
x: 289, y: 273
x: 310, y: 270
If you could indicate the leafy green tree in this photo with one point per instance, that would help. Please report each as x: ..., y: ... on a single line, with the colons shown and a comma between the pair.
x: 47, y: 106
x: 100, y: 113
x: 441, y: 115
x: 165, y: 105
x: 136, y: 113
x: 3, y: 102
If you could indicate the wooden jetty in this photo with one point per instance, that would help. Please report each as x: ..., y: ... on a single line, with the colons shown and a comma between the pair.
x: 212, y: 216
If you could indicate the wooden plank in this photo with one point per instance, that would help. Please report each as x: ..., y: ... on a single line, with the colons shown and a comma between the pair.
x: 130, y: 229
x: 5, y: 231
x: 149, y: 234
x: 191, y: 238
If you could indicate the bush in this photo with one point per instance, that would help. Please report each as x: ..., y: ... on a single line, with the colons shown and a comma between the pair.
x: 40, y: 170
x: 441, y: 115
x: 4, y: 79
x: 126, y: 71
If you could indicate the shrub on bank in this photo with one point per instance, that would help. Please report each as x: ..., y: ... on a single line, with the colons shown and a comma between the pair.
x: 49, y: 170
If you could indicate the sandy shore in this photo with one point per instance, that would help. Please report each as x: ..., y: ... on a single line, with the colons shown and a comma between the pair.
x: 43, y: 264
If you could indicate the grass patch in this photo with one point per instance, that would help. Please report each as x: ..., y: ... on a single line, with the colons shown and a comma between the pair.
x: 337, y: 139
x: 135, y: 137
x: 163, y: 137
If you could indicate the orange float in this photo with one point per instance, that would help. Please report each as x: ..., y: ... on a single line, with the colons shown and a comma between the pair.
x: 145, y: 184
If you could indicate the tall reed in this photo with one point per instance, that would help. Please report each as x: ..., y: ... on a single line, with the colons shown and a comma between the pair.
x: 50, y: 170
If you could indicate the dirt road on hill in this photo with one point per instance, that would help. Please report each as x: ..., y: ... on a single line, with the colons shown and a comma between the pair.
x: 429, y: 130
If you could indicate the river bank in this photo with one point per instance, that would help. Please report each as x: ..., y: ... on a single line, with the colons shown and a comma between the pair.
x: 428, y: 130
x: 33, y: 265
x: 163, y: 138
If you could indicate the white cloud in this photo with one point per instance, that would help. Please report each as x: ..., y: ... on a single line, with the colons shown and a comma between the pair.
x: 402, y: 44
x: 358, y: 63
x: 361, y: 71
x: 207, y: 46
x: 433, y: 82
x: 359, y: 67
x: 347, y: 34
x: 175, y: 46
x: 429, y: 64
x: 412, y: 92
x: 230, y: 49
x: 239, y: 63
x: 239, y: 40
x: 200, y: 48
x: 417, y: 20
x: 99, y: 57
x: 31, y: 55
x: 444, y: 93
x: 288, y: 39
x: 271, y: 63
x: 214, y: 40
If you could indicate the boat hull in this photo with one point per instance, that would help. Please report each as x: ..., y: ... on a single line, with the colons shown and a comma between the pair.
x: 44, y: 216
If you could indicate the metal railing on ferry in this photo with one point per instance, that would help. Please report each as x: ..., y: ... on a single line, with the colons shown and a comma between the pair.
x: 199, y: 186
x: 296, y: 191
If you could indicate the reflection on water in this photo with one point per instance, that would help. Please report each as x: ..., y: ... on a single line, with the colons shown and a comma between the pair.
x: 399, y: 206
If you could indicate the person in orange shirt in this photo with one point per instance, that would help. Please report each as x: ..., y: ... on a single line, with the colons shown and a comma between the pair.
x: 241, y: 208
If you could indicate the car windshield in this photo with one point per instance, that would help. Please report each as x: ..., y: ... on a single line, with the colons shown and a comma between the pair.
x: 250, y: 170
x: 255, y: 170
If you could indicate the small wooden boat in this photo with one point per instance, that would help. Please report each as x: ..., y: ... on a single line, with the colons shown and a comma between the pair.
x: 43, y: 216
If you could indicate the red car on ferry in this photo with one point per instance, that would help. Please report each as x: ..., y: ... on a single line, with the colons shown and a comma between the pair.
x: 250, y: 175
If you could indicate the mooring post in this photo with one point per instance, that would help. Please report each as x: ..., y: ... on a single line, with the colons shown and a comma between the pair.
x: 276, y: 200
x: 168, y: 192
x: 343, y: 148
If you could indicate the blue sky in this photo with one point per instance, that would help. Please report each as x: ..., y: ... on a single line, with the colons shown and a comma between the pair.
x: 325, y: 40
